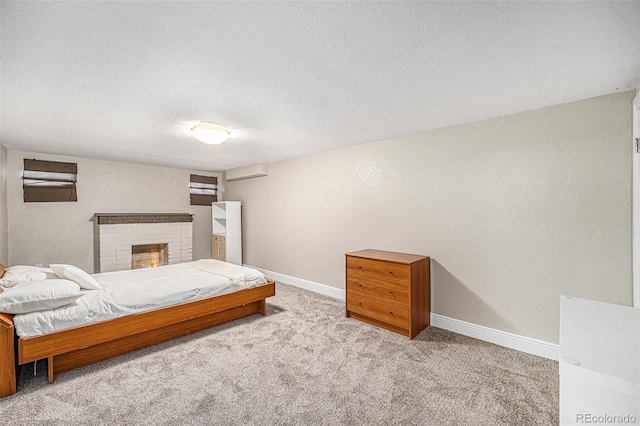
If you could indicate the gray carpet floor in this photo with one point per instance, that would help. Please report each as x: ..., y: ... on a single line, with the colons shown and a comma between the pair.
x: 302, y: 364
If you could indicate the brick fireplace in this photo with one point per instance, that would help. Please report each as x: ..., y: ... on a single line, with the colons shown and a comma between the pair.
x: 140, y: 240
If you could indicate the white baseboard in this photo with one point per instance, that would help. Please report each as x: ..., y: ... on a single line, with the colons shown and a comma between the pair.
x: 498, y: 337
x: 305, y: 284
x: 491, y: 335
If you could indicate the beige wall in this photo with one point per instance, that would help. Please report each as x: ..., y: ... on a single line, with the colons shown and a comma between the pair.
x: 63, y: 232
x: 4, y: 241
x: 514, y: 212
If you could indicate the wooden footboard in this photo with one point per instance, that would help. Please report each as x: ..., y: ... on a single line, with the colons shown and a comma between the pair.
x: 7, y: 356
x: 80, y: 346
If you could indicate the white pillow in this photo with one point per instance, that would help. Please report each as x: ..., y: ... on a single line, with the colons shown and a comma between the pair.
x: 31, y: 296
x: 77, y: 275
x: 20, y: 273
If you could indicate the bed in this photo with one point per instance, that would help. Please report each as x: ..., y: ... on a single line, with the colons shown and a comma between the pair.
x: 128, y: 313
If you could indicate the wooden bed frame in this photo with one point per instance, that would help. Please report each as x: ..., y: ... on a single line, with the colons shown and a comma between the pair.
x: 80, y: 346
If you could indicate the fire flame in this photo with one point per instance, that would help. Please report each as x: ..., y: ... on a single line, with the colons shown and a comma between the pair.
x: 155, y: 259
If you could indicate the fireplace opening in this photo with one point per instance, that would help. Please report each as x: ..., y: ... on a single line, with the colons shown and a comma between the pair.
x: 149, y: 255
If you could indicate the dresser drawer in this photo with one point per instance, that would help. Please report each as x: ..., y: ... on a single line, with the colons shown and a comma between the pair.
x: 365, y: 287
x: 386, y: 311
x: 394, y: 273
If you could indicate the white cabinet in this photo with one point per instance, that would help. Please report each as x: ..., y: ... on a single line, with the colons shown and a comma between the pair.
x: 599, y: 362
x: 226, y: 241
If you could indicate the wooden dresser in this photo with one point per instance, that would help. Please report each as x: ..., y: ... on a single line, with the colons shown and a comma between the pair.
x: 389, y: 290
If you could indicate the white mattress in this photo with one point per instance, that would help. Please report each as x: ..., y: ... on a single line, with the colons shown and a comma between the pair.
x: 141, y: 290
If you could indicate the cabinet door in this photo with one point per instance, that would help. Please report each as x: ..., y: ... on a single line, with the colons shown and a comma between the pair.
x: 222, y: 248
x: 218, y: 250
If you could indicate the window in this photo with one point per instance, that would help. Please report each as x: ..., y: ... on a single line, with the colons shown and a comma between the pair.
x: 46, y: 181
x: 204, y: 190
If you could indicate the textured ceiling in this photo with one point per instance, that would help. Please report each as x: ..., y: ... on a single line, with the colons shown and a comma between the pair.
x: 125, y: 80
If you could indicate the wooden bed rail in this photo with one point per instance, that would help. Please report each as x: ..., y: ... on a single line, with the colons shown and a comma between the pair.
x: 60, y: 342
x: 80, y: 346
x: 7, y: 356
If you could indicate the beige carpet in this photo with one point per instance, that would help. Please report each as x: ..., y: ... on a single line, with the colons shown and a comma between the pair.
x: 302, y: 364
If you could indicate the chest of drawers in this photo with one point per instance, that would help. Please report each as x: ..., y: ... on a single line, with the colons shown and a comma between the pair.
x: 389, y: 290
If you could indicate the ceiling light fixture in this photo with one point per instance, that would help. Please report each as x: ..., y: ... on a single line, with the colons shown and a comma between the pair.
x: 210, y: 132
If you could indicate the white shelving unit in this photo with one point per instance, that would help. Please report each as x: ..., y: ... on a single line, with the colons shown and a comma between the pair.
x: 226, y: 241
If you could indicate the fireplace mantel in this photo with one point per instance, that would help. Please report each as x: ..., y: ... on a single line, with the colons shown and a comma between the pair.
x: 118, y: 218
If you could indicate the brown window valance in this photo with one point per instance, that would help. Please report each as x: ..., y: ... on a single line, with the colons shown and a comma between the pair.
x: 49, y: 181
x: 203, y: 190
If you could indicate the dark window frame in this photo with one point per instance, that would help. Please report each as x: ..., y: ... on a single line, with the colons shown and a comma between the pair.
x: 203, y: 190
x: 49, y: 181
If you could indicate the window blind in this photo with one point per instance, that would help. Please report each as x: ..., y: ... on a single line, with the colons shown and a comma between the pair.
x: 203, y: 190
x: 49, y: 181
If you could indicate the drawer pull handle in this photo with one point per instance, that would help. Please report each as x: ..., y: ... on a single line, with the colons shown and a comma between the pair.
x: 360, y: 285
x: 391, y: 313
x: 391, y: 272
x: 360, y: 267
x: 391, y: 293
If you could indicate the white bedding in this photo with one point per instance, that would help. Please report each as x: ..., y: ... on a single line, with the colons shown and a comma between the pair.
x: 141, y: 290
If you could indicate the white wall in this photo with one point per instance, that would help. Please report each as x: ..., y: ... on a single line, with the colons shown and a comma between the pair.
x: 514, y: 212
x: 4, y: 241
x: 64, y: 232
